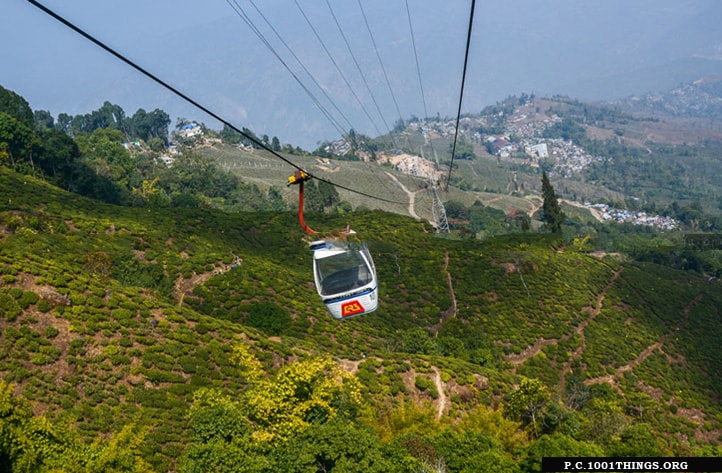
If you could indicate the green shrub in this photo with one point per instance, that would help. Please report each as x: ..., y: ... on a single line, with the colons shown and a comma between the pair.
x: 45, y: 356
x: 77, y: 347
x: 185, y: 336
x: 157, y: 376
x: 51, y: 332
x: 119, y: 359
x: 188, y: 364
x: 44, y: 306
x: 202, y: 328
x: 268, y: 318
x: 9, y: 308
x: 95, y: 302
x: 122, y: 314
x: 423, y: 383
x: 417, y: 340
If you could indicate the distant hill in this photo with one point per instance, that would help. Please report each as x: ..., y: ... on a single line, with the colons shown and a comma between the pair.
x: 699, y: 99
x: 638, y: 156
x: 112, y: 316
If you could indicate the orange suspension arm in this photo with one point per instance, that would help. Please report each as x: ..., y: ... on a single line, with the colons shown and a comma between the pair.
x: 299, y: 177
x: 300, y: 210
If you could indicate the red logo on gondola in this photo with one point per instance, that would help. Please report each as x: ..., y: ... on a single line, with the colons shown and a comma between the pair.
x: 351, y: 308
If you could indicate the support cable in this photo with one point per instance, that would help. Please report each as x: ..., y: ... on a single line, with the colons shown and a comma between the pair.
x: 250, y: 23
x: 242, y: 14
x: 303, y: 66
x: 358, y: 67
x: 416, y: 56
x: 338, y: 68
x: 437, y: 205
x: 196, y: 104
x: 381, y: 63
x: 461, y: 93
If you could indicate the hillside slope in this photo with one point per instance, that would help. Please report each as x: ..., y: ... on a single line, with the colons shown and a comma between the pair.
x: 112, y: 315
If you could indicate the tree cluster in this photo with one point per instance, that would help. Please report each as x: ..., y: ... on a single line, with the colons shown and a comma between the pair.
x: 89, y: 155
x: 50, y: 152
x: 553, y: 215
x: 141, y: 125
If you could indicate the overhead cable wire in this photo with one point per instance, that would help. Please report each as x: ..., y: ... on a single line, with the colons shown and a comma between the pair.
x: 303, y: 66
x: 191, y: 101
x: 381, y: 63
x: 348, y: 46
x: 278, y: 35
x: 416, y: 56
x: 358, y: 67
x: 437, y: 207
x: 363, y: 77
x: 461, y: 93
x: 421, y: 83
x: 242, y: 14
x: 338, y: 68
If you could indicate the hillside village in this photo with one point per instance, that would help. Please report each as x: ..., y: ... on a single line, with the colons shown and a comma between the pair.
x: 610, y: 214
x: 521, y: 139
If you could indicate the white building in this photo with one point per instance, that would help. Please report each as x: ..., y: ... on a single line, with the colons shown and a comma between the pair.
x: 539, y: 150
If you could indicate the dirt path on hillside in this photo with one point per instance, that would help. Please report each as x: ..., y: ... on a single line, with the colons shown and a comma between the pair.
x: 411, y: 195
x: 534, y: 208
x: 443, y: 400
x: 596, y: 213
x: 182, y: 286
x: 452, y: 311
x: 494, y: 199
x: 528, y: 352
x: 518, y: 359
x: 350, y: 366
x: 593, y: 312
x: 611, y: 378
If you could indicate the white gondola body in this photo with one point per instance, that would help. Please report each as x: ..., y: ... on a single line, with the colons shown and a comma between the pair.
x: 345, y: 278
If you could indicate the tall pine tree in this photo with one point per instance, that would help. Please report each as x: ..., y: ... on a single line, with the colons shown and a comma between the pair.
x: 553, y: 215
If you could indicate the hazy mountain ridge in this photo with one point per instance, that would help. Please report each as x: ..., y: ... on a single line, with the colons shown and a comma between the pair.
x: 601, y: 50
x: 700, y: 99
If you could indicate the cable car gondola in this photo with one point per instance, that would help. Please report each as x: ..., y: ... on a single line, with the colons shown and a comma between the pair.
x: 343, y: 271
x: 345, y: 278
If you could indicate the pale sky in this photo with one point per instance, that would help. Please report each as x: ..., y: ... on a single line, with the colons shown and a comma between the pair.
x: 588, y: 49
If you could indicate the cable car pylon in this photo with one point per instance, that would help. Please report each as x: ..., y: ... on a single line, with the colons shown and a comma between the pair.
x: 437, y: 210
